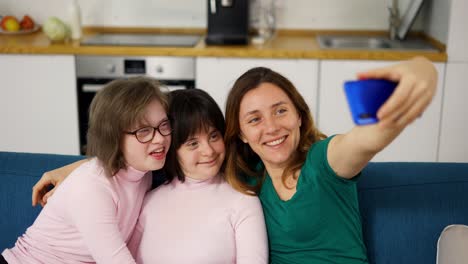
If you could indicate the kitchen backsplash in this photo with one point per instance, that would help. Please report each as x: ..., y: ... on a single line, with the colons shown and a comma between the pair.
x: 291, y: 14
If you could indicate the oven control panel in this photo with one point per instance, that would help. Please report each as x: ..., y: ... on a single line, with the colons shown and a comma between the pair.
x: 112, y: 67
x: 134, y: 66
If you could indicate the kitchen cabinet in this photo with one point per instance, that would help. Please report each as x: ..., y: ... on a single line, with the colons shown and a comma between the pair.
x: 454, y: 128
x: 418, y: 142
x: 217, y: 75
x: 38, y: 104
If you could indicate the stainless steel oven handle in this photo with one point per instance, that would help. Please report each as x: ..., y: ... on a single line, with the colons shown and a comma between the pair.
x: 92, y: 88
x: 174, y: 87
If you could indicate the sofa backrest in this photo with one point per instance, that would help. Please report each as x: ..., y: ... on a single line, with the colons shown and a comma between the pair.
x: 405, y: 207
x: 18, y: 174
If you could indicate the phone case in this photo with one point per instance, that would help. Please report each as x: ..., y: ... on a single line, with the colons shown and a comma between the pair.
x: 365, y: 98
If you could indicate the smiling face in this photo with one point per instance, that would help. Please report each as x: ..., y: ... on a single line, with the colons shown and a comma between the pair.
x: 201, y: 155
x: 151, y: 155
x: 270, y: 124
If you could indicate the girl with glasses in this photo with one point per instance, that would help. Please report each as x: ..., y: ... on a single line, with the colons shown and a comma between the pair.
x: 92, y: 215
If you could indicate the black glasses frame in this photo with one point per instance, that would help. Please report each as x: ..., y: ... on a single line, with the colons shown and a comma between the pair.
x: 154, y: 131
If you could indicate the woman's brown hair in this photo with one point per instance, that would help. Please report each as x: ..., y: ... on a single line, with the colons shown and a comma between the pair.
x: 118, y: 107
x: 241, y: 171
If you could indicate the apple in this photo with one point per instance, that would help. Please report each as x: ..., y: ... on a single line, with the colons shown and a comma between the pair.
x: 27, y: 23
x: 10, y: 23
x: 4, y: 20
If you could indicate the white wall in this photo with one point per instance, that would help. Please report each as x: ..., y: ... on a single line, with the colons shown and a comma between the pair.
x: 458, y: 32
x: 139, y: 13
x: 338, y: 14
x: 296, y: 14
x: 437, y: 16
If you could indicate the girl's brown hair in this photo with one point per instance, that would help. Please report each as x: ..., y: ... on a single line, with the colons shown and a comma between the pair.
x: 241, y: 162
x: 120, y: 106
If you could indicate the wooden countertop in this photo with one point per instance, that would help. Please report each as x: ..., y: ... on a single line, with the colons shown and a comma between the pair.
x: 288, y: 44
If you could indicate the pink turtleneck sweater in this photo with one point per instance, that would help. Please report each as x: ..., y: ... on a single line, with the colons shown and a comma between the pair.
x: 88, y: 219
x: 200, y: 222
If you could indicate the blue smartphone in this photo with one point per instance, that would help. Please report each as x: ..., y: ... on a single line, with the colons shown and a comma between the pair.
x: 365, y: 98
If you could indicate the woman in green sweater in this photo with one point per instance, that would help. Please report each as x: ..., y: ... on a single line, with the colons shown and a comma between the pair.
x: 306, y: 181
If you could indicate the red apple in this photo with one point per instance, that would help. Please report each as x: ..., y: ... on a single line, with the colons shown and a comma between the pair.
x: 4, y: 20
x: 27, y: 23
x: 10, y: 23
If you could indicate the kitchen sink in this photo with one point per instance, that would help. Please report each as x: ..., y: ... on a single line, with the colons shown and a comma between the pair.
x: 346, y: 42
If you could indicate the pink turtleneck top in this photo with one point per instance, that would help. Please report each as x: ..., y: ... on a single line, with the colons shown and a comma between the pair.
x: 88, y: 219
x: 200, y: 222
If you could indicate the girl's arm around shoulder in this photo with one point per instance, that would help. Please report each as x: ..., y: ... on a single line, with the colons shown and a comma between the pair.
x: 348, y: 154
x: 40, y: 191
x: 250, y: 231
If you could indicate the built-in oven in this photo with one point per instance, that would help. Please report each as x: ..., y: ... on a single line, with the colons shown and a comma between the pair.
x: 93, y: 72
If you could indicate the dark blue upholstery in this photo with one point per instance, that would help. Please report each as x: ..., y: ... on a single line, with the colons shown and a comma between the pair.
x: 404, y: 206
x: 18, y: 174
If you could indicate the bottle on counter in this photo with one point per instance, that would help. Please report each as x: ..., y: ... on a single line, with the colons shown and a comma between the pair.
x: 74, y: 16
x: 264, y: 20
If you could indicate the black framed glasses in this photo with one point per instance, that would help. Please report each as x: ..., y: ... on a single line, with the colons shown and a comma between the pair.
x: 146, y: 134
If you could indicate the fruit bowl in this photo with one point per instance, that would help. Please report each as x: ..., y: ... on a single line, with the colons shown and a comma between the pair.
x: 21, y: 31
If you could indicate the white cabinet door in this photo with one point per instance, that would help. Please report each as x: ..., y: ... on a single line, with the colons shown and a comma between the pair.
x: 38, y: 104
x: 453, y: 142
x: 418, y: 142
x: 217, y: 75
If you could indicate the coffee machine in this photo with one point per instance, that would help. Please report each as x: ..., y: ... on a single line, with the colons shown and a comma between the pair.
x: 228, y: 22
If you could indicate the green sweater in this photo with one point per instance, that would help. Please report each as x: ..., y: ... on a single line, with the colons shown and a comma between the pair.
x: 321, y: 222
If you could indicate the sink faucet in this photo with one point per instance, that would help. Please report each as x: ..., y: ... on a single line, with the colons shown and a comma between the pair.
x: 394, y: 19
x: 400, y: 25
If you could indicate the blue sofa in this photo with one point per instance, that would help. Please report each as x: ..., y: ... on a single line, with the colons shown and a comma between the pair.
x: 404, y: 206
